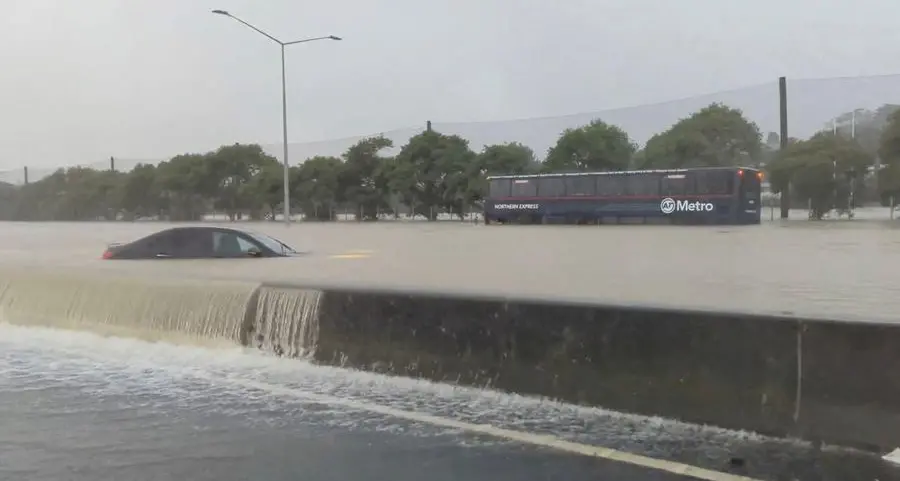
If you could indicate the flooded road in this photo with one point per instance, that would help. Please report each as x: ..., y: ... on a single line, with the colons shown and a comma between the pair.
x: 79, y: 406
x: 841, y: 269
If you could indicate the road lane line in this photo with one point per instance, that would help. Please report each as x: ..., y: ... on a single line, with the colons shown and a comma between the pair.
x: 349, y: 256
x: 538, y: 440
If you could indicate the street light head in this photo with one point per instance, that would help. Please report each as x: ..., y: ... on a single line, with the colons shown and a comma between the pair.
x: 334, y: 37
x: 221, y: 12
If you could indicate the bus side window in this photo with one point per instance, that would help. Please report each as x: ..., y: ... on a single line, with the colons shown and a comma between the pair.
x: 675, y: 184
x: 524, y: 188
x: 718, y: 182
x: 642, y: 184
x: 551, y: 187
x: 581, y: 185
x: 500, y: 188
x: 610, y: 185
x: 728, y: 182
x: 701, y: 182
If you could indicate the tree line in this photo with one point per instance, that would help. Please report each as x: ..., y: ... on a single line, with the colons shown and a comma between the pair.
x: 434, y: 172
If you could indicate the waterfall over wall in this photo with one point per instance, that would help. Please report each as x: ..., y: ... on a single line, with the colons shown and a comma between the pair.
x: 286, y: 321
x: 283, y: 321
x: 171, y: 309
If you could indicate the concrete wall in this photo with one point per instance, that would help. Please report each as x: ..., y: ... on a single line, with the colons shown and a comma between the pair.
x: 850, y: 383
x: 829, y: 381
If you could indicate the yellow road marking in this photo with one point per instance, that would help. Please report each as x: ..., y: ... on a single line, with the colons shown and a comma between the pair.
x: 349, y: 256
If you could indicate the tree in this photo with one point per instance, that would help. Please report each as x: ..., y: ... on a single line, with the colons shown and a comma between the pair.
x: 822, y: 169
x: 510, y: 158
x: 717, y: 135
x: 435, y: 173
x: 139, y: 194
x: 226, y: 173
x: 362, y: 181
x: 866, y: 127
x: 597, y: 146
x: 461, y: 184
x: 318, y: 186
x: 8, y: 198
x: 267, y: 188
x: 889, y: 152
x: 432, y: 172
x: 182, y: 181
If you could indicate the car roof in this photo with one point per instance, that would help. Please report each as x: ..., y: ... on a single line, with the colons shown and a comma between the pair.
x: 208, y: 228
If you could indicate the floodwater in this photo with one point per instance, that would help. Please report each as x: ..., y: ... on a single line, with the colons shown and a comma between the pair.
x: 78, y: 406
x: 840, y: 269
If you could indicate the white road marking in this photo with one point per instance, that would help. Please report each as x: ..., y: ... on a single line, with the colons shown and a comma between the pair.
x: 538, y: 440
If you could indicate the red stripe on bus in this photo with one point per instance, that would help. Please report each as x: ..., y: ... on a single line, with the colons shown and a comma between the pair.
x: 616, y: 197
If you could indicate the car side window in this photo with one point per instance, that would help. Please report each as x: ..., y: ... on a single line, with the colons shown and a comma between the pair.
x: 246, y: 245
x: 192, y: 243
x: 227, y: 244
x: 157, y: 244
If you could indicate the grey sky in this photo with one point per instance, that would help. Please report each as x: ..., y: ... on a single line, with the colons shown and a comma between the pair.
x: 142, y: 79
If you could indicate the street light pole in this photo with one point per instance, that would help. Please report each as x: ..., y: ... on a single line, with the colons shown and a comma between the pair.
x: 284, y: 139
x: 284, y: 119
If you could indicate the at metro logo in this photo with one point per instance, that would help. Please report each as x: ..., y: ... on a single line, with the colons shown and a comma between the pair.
x: 696, y: 206
x: 670, y: 205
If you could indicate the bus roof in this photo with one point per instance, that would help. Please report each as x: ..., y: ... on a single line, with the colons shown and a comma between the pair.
x: 618, y: 172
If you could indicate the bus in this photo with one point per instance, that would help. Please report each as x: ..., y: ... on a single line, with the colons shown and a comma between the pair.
x: 705, y: 195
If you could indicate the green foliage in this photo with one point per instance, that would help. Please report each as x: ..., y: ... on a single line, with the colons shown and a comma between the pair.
x: 597, y: 146
x: 361, y: 179
x: 717, y: 135
x: 317, y: 185
x: 820, y: 169
x: 434, y: 172
x: 501, y: 159
x: 889, y: 152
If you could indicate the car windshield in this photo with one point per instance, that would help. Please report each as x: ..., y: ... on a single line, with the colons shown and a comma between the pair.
x: 271, y: 242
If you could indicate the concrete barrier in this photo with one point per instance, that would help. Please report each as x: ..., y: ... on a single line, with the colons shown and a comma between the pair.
x: 850, y: 390
x: 837, y: 382
x: 833, y: 382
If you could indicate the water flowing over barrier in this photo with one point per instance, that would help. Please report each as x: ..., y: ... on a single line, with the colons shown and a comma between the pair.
x: 282, y: 321
x: 285, y: 321
x: 820, y: 380
x: 136, y: 307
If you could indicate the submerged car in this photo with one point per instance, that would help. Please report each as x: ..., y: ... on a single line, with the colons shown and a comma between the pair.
x: 201, y: 243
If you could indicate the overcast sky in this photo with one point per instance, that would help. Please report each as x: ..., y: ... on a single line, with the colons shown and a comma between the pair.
x: 83, y: 80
